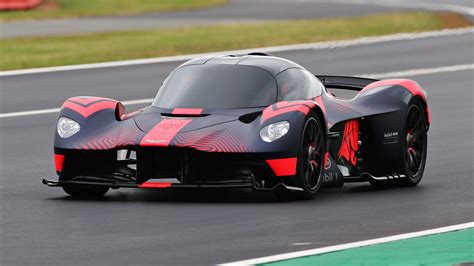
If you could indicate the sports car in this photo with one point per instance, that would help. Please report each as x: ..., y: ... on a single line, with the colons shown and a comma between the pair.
x: 253, y: 121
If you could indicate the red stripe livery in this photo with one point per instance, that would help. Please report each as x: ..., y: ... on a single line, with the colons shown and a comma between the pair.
x: 90, y: 105
x: 187, y: 111
x: 283, y: 167
x: 164, y: 132
x: 408, y: 84
x: 284, y: 107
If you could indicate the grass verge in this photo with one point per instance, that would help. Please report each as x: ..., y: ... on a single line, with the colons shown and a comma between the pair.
x: 81, y: 8
x: 24, y: 53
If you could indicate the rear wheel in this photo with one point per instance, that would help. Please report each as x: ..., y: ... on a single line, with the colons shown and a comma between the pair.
x: 412, y: 149
x: 310, y: 162
x: 85, y: 191
x: 414, y: 145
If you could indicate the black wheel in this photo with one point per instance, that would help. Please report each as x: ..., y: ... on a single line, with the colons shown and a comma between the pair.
x: 414, y: 145
x: 310, y: 163
x: 412, y: 148
x: 85, y: 191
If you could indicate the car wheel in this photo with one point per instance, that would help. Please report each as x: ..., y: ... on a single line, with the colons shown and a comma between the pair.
x: 85, y: 191
x: 414, y: 146
x: 310, y: 163
x: 412, y: 149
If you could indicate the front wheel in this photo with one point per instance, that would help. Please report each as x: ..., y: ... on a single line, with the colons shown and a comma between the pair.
x: 85, y: 191
x: 310, y: 164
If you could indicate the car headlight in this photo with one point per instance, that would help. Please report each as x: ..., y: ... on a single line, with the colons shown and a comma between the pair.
x: 67, y: 127
x: 274, y: 131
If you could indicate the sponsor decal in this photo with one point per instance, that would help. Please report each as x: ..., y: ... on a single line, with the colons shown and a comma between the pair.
x: 390, y: 138
x: 390, y: 134
x: 330, y: 176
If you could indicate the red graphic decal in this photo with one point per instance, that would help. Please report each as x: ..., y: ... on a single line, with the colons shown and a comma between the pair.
x: 89, y: 106
x: 285, y: 107
x: 283, y: 167
x: 187, y: 111
x: 155, y: 185
x: 211, y: 140
x: 164, y: 132
x: 349, y: 145
x: 58, y: 162
x: 326, y: 158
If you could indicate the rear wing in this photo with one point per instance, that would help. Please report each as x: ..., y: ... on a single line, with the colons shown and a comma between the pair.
x: 347, y: 83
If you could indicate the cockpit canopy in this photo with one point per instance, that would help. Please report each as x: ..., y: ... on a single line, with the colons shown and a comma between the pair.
x: 226, y: 86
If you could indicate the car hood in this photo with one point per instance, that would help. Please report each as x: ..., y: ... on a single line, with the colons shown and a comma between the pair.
x: 151, y: 117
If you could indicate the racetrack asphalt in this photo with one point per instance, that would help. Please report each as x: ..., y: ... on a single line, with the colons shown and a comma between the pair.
x: 42, y: 226
x: 236, y: 11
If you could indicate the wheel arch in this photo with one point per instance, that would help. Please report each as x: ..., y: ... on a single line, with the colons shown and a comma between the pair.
x: 425, y: 108
x: 319, y: 111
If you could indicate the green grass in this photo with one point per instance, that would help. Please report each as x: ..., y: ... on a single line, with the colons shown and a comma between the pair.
x: 78, y: 49
x: 451, y: 248
x: 81, y: 8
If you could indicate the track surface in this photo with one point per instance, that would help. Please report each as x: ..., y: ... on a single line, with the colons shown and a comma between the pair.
x: 237, y: 11
x: 41, y: 226
x: 241, y: 11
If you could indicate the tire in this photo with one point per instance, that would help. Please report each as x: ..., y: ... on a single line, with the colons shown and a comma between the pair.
x: 310, y: 163
x: 413, y: 148
x: 85, y: 191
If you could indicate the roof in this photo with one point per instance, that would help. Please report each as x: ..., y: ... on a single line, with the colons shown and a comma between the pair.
x: 271, y: 64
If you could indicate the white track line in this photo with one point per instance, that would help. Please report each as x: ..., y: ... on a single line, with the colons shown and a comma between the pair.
x: 55, y: 110
x: 306, y: 46
x: 402, y: 4
x: 317, y: 251
x: 405, y: 73
x: 421, y: 71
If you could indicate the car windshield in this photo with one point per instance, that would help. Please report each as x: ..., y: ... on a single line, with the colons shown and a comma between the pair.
x: 217, y: 87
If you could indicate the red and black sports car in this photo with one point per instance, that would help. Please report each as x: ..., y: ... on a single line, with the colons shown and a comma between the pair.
x: 253, y: 121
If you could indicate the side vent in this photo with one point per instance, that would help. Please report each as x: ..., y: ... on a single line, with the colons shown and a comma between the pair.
x: 259, y: 53
x: 249, y: 118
